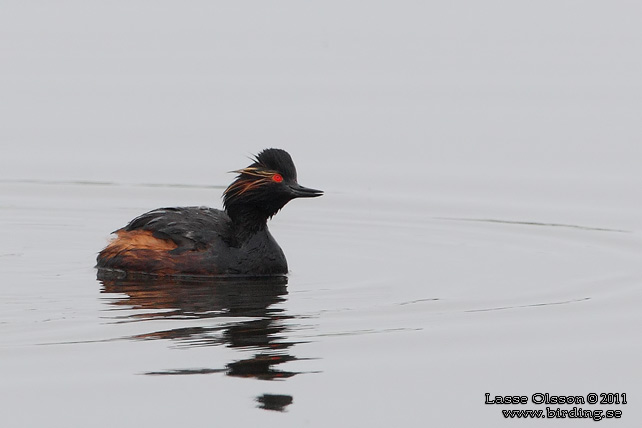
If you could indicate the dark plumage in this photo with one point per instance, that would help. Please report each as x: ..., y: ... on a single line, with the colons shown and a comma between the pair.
x: 207, y: 241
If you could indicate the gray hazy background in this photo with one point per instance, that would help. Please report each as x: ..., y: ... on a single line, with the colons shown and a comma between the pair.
x: 387, y: 95
x: 480, y: 231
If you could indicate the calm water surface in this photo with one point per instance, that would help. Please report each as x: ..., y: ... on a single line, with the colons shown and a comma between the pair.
x: 394, y: 309
x: 481, y: 230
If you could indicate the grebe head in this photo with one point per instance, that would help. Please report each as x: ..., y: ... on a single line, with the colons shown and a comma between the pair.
x: 263, y: 188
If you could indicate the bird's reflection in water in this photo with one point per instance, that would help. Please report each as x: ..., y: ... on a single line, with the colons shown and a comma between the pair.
x: 259, y: 299
x: 274, y: 402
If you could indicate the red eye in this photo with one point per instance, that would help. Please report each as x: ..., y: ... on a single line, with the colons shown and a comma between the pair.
x: 277, y: 177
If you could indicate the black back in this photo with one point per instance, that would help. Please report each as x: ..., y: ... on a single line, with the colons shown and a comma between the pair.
x: 191, y: 228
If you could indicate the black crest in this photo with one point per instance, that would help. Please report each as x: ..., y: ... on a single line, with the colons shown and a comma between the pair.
x: 277, y: 160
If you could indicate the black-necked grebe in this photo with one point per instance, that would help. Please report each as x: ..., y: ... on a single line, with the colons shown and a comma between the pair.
x: 207, y: 241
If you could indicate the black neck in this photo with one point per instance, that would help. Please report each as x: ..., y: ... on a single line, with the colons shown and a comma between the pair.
x: 247, y: 221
